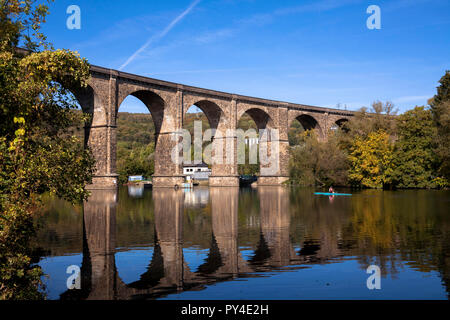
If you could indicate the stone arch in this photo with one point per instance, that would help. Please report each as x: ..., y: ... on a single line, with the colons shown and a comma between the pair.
x: 308, y: 122
x: 261, y: 115
x: 341, y: 122
x: 163, y: 109
x: 265, y: 123
x: 85, y: 97
x: 213, y: 112
x: 336, y: 123
x: 90, y: 103
x: 155, y: 105
x: 153, y: 97
x: 217, y: 119
x: 262, y: 119
x: 93, y: 101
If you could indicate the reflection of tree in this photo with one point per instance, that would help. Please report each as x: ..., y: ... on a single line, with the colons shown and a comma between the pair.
x: 59, y: 223
x: 393, y: 227
x: 135, y: 219
x: 379, y: 227
x: 248, y: 217
x: 444, y: 259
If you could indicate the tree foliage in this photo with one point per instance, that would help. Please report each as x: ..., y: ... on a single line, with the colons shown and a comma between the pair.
x: 381, y: 116
x: 378, y: 149
x: 313, y: 162
x: 370, y: 160
x: 135, y: 145
x: 414, y: 159
x: 37, y: 152
x: 246, y: 123
x: 440, y: 108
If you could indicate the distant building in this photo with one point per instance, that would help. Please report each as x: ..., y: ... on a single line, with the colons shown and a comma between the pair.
x: 196, y: 171
x: 204, y: 175
x: 135, y: 178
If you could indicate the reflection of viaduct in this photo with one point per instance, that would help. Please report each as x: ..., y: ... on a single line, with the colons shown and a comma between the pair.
x: 168, y: 102
x: 168, y: 271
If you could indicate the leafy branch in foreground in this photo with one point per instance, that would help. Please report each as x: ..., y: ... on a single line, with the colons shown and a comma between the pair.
x: 37, y: 152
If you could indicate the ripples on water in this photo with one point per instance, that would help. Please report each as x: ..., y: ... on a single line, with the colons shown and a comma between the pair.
x: 265, y: 243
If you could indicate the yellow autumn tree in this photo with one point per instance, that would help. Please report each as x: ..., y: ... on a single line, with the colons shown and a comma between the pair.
x: 370, y: 160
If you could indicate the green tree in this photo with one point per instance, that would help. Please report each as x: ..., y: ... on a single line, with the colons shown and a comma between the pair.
x: 135, y: 145
x: 414, y: 157
x: 295, y: 133
x: 443, y: 91
x: 37, y: 152
x: 137, y: 161
x: 313, y: 162
x: 248, y: 168
x: 246, y: 123
x: 371, y: 160
x: 440, y: 107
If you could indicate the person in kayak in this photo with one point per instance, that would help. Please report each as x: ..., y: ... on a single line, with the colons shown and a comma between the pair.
x: 331, y: 190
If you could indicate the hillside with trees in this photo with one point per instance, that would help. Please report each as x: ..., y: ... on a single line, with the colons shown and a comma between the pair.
x: 135, y: 145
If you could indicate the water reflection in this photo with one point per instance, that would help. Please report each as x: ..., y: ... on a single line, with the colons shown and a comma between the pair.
x: 198, y: 197
x: 166, y: 267
x: 136, y: 191
x: 274, y: 248
x: 249, y: 233
x: 98, y: 272
x: 224, y: 259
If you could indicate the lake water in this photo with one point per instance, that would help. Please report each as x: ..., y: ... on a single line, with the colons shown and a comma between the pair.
x: 262, y: 243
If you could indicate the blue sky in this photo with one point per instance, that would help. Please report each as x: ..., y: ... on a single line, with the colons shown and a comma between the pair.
x: 311, y: 52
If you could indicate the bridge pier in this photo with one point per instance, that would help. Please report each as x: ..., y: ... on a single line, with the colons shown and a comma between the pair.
x: 104, y: 182
x: 271, y: 180
x: 167, y: 181
x: 168, y: 162
x: 100, y: 137
x: 168, y: 172
x: 224, y: 181
x: 276, y: 170
x: 224, y: 154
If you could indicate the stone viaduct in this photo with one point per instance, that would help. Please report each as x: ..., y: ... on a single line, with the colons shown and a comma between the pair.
x: 168, y: 102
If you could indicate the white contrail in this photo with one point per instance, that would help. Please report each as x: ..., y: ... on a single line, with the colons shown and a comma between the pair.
x: 160, y: 35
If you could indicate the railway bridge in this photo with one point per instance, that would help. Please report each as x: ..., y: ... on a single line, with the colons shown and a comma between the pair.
x: 168, y: 102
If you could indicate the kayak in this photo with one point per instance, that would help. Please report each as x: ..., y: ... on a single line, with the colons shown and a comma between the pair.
x: 332, y: 194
